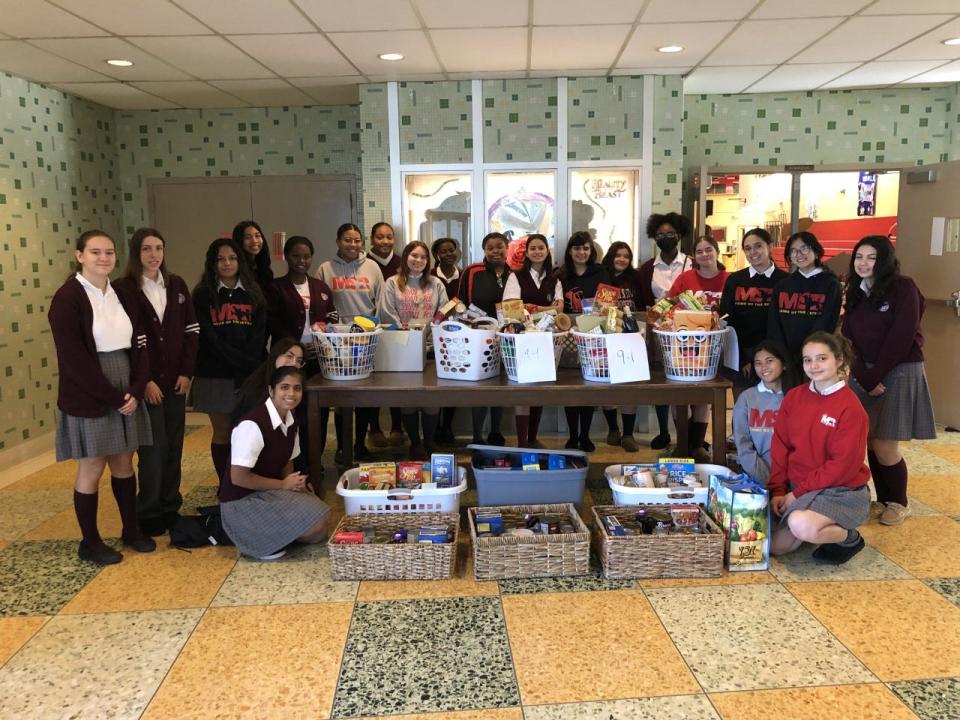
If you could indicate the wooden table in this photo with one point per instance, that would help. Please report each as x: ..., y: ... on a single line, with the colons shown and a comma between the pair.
x: 425, y: 389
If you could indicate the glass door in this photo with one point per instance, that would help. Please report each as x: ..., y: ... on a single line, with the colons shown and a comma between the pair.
x: 519, y: 203
x: 605, y: 202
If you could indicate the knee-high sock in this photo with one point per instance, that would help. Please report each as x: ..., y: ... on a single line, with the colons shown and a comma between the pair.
x: 895, y: 479
x: 628, y: 421
x: 478, y: 415
x: 696, y: 434
x: 125, y: 492
x: 535, y: 414
x: 586, y: 419
x: 85, y: 505
x: 429, y: 421
x: 573, y: 421
x: 411, y: 423
x: 611, y: 418
x: 663, y: 418
x: 496, y: 417
x: 523, y: 429
x: 879, y: 479
x: 396, y: 419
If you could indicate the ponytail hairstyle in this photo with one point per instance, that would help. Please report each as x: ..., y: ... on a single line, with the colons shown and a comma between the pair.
x: 840, y: 346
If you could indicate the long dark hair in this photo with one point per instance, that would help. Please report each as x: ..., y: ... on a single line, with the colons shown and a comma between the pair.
x: 790, y: 377
x: 886, y: 271
x: 134, y: 268
x: 580, y: 238
x: 208, y: 280
x: 259, y: 263
x: 253, y: 392
x: 611, y: 255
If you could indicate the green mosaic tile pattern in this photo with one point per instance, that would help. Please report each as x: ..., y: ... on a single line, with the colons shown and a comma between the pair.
x: 520, y: 120
x: 58, y: 177
x: 605, y: 118
x: 231, y: 142
x: 435, y: 122
x: 374, y: 155
x: 910, y: 125
x: 668, y: 143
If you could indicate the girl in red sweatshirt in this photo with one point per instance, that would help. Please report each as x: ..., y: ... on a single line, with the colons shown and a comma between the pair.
x: 818, y: 482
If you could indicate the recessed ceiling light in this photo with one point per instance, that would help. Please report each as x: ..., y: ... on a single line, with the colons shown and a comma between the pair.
x: 120, y: 63
x: 670, y: 49
x: 391, y: 57
x: 952, y: 41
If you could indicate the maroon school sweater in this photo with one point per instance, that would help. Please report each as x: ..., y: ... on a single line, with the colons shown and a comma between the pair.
x: 285, y: 311
x: 277, y: 449
x: 84, y: 391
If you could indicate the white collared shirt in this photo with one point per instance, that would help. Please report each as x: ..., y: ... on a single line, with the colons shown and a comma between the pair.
x: 766, y: 273
x: 112, y: 329
x: 763, y: 388
x: 238, y: 286
x: 246, y: 440
x: 383, y: 261
x: 456, y: 274
x: 865, y: 285
x: 828, y: 391
x: 664, y: 274
x: 811, y: 273
x: 156, y: 292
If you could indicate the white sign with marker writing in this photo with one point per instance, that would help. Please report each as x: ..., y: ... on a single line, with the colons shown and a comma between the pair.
x: 535, y: 361
x: 627, y: 358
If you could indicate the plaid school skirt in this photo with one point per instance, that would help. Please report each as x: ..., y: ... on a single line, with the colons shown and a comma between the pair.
x: 904, y: 411
x: 111, y: 434
x: 847, y: 507
x: 266, y: 521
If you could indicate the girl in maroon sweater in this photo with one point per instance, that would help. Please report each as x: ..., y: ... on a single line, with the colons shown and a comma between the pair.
x: 882, y: 320
x: 818, y: 482
x: 172, y: 335
x: 103, y: 368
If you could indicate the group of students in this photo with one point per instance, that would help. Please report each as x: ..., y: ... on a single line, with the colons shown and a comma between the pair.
x: 129, y: 352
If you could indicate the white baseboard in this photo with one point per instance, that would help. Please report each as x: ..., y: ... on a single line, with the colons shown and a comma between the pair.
x: 27, y: 457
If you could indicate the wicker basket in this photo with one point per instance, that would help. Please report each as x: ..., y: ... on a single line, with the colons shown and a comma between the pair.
x: 508, y: 556
x: 657, y: 556
x: 410, y: 561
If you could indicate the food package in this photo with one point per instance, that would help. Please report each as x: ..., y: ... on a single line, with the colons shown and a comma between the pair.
x: 372, y: 475
x: 693, y: 319
x: 605, y: 296
x: 510, y: 310
x: 741, y: 506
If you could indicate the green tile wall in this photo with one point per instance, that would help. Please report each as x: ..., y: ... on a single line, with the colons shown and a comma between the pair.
x: 668, y: 143
x: 436, y: 125
x: 604, y: 118
x: 58, y: 177
x: 375, y: 155
x: 913, y: 125
x: 231, y: 142
x: 520, y: 120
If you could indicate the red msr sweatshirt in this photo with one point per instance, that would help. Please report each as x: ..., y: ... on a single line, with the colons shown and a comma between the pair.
x: 819, y: 441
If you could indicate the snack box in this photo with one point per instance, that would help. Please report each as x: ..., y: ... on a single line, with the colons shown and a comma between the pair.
x: 692, y: 320
x: 442, y: 469
x: 409, y: 474
x: 373, y: 475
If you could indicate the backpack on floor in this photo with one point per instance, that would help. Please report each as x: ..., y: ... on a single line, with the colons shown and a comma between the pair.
x: 193, y: 531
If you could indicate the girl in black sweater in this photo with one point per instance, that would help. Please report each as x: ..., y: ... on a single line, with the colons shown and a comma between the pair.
x: 249, y: 236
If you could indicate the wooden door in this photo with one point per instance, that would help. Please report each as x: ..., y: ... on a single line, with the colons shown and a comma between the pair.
x: 937, y: 276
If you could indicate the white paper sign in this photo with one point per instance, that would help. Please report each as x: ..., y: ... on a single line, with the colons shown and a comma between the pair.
x: 627, y: 358
x: 936, y: 236
x: 731, y: 349
x: 534, y: 359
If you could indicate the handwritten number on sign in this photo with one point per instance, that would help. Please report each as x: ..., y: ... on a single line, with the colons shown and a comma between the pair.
x: 625, y: 356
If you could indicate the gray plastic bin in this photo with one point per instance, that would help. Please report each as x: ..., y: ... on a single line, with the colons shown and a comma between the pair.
x: 531, y: 487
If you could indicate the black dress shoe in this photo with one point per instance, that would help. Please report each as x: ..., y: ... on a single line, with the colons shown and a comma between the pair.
x: 102, y: 555
x: 586, y: 445
x: 660, y: 441
x: 155, y: 526
x: 497, y: 439
x: 837, y: 554
x: 140, y: 543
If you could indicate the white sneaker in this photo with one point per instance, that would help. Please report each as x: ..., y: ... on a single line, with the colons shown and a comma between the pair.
x: 273, y: 556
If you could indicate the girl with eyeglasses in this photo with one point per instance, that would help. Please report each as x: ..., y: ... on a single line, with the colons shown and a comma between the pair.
x: 807, y: 300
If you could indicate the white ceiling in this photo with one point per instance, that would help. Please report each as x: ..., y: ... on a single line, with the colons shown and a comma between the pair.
x: 238, y: 53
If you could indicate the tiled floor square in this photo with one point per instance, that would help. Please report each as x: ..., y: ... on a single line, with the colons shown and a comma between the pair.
x: 950, y: 453
x: 726, y: 578
x: 406, y: 656
x: 948, y: 587
x: 63, y: 525
x: 900, y: 629
x: 462, y: 584
x: 165, y: 579
x: 941, y: 492
x: 928, y: 459
x: 577, y: 583
x: 931, y: 699
x: 15, y: 631
x: 241, y: 662
x: 283, y: 582
x: 489, y: 714
x: 868, y: 564
x: 923, y: 546
x: 22, y: 511
x: 549, y: 632
x: 198, y: 496
x: 753, y: 637
x: 863, y: 702
x: 123, y: 657
x: 40, y: 577
x: 688, y: 707
x: 58, y: 475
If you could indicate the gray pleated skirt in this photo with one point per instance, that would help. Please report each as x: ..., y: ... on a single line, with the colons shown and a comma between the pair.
x: 217, y: 396
x: 266, y: 521
x: 847, y: 507
x: 113, y: 433
x: 904, y: 411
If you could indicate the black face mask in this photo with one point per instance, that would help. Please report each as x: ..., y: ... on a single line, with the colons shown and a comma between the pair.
x: 667, y: 245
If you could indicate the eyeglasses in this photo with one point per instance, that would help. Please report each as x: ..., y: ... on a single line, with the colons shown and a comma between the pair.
x: 665, y: 236
x: 800, y: 250
x: 298, y: 361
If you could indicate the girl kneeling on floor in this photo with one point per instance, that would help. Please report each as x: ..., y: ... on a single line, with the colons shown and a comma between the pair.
x: 264, y: 503
x: 819, y: 443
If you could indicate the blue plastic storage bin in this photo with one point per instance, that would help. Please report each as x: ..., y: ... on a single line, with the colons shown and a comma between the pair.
x: 501, y: 486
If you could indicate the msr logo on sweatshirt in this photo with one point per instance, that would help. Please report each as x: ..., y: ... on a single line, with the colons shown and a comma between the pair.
x: 351, y: 283
x: 762, y: 419
x: 802, y: 303
x: 828, y: 421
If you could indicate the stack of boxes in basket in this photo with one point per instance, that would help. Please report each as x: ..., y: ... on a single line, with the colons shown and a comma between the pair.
x: 609, y: 340
x: 690, y: 334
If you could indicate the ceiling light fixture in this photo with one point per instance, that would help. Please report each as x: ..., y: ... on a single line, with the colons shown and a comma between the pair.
x: 952, y: 41
x: 670, y: 49
x: 120, y: 63
x: 391, y: 57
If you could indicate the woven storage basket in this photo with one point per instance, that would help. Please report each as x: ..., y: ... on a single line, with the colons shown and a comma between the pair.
x: 410, y: 561
x: 508, y: 556
x: 657, y: 556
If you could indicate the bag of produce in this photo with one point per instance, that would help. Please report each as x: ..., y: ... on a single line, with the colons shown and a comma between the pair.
x: 741, y: 506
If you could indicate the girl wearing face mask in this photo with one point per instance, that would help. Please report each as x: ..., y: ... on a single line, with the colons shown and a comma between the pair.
x: 249, y: 236
x: 655, y: 277
x: 266, y: 504
x: 356, y: 282
x: 882, y: 320
x: 104, y: 368
x: 746, y: 300
x: 172, y: 337
x: 805, y: 301
x: 818, y: 482
x: 413, y: 295
x: 535, y: 284
x: 482, y: 284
